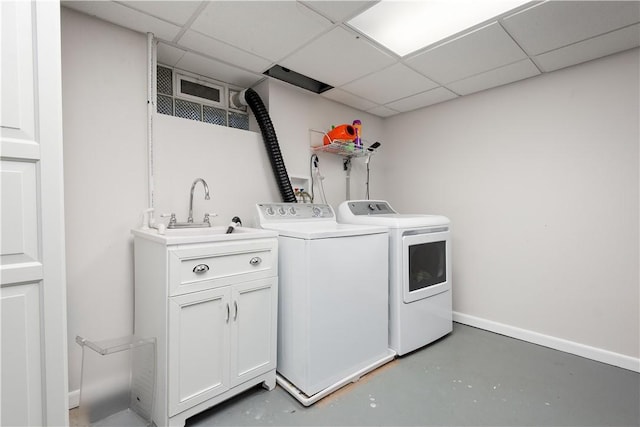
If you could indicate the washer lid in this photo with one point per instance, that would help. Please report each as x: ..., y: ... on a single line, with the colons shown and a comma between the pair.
x: 323, y: 230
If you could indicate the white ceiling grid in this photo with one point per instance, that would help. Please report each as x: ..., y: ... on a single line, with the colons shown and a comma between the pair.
x: 236, y: 41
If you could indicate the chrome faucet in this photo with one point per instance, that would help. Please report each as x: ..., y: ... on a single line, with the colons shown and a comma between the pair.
x: 206, y: 197
x: 206, y: 222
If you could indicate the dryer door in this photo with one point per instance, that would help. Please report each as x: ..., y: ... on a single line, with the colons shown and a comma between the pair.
x: 426, y: 259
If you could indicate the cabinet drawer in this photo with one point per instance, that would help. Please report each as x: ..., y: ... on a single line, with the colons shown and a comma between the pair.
x: 216, y: 266
x: 203, y: 267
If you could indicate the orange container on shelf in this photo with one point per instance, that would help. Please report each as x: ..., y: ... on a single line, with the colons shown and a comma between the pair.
x: 342, y: 132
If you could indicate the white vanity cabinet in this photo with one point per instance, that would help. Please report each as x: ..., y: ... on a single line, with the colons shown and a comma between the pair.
x: 212, y: 307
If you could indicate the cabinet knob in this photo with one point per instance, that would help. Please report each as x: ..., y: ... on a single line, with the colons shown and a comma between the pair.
x: 255, y: 260
x: 201, y: 268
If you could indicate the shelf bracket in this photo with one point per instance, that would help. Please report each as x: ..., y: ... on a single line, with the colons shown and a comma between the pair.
x: 346, y: 163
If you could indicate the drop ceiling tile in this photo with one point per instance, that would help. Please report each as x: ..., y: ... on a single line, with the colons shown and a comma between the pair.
x: 223, y: 52
x: 126, y: 17
x: 217, y: 70
x: 382, y: 111
x: 178, y: 12
x: 597, y: 47
x: 338, y: 57
x: 390, y: 84
x: 473, y: 53
x: 349, y: 99
x: 168, y: 55
x: 270, y: 29
x: 339, y: 11
x: 498, y: 77
x: 554, y: 24
x: 424, y: 99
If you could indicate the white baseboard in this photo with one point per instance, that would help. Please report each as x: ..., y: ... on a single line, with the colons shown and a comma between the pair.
x: 593, y: 353
x: 74, y: 398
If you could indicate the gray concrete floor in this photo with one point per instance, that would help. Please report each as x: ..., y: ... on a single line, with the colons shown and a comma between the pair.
x: 471, y: 377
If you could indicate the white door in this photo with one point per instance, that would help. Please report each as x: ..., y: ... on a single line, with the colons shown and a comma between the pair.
x: 198, y: 347
x: 253, y: 329
x: 32, y: 270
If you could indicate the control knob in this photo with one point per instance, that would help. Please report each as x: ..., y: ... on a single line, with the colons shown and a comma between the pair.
x: 270, y: 210
x: 292, y: 210
x: 282, y: 210
x: 316, y: 211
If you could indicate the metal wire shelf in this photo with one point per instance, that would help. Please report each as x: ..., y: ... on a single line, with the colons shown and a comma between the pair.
x: 340, y: 147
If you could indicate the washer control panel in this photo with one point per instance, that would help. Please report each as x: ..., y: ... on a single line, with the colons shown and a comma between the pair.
x: 370, y: 207
x: 288, y: 212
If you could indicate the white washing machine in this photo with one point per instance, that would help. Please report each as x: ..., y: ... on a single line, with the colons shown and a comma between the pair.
x: 420, y: 304
x: 333, y: 298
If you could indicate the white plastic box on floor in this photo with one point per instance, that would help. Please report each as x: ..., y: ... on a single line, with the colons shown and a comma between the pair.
x: 118, y: 382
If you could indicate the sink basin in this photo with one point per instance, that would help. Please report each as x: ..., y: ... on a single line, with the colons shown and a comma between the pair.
x: 178, y: 236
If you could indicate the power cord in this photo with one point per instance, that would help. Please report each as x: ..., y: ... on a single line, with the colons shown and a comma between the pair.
x: 313, y: 162
x: 370, y: 151
x: 368, y: 159
x: 314, y: 165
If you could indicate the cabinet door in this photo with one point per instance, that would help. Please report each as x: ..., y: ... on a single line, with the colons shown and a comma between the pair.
x: 198, y: 347
x: 253, y: 329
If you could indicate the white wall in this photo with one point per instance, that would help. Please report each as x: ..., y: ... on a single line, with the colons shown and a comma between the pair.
x: 232, y: 162
x: 540, y: 179
x: 104, y: 119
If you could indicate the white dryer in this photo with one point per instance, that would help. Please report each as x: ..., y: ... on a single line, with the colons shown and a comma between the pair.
x: 420, y: 303
x: 333, y: 298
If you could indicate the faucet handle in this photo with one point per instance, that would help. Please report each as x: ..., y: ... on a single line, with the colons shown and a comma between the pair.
x: 207, y: 215
x: 172, y: 220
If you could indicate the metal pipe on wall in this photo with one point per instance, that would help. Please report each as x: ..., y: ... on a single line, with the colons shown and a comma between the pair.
x: 151, y: 103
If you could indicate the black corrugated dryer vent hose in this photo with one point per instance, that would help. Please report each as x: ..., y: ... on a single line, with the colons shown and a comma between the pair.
x: 254, y: 102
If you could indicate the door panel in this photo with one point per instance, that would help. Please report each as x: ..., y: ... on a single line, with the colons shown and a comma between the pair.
x: 198, y: 347
x: 253, y: 349
x: 21, y: 370
x: 20, y: 223
x: 18, y: 109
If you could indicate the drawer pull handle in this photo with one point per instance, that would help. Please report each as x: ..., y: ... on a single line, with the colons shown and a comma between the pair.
x: 235, y: 315
x: 255, y: 260
x: 228, y: 313
x: 201, y: 268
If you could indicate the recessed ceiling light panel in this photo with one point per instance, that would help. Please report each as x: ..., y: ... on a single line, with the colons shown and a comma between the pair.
x: 407, y: 26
